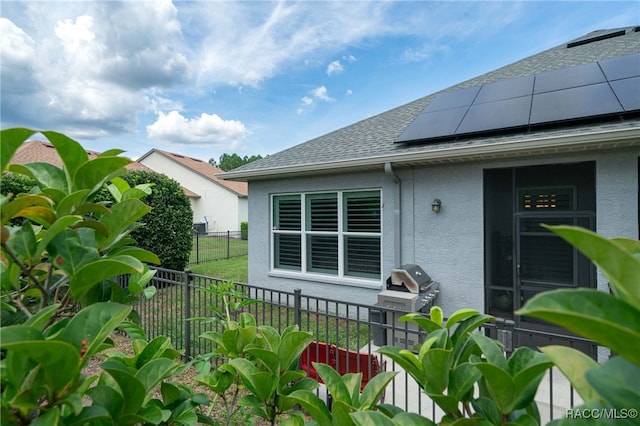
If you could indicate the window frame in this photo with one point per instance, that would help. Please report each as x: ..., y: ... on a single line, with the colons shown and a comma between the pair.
x: 306, y: 271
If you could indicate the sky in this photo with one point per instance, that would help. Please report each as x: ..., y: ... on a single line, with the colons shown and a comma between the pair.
x: 203, y: 78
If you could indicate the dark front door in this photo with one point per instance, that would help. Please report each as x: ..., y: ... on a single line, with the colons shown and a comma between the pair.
x: 522, y: 257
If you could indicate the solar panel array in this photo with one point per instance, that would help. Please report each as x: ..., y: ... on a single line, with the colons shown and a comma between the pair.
x: 598, y: 89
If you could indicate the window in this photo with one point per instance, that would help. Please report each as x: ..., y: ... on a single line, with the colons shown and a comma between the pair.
x: 331, y: 233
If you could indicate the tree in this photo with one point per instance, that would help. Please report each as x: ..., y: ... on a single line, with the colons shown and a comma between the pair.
x: 233, y: 161
x: 57, y: 312
x: 168, y: 227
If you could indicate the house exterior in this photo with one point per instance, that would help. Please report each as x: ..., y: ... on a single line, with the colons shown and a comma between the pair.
x: 44, y: 152
x: 458, y: 182
x: 218, y: 205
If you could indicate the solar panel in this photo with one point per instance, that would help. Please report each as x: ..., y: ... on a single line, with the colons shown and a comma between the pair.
x: 602, y: 88
x: 505, y: 89
x: 501, y: 114
x: 566, y: 78
x: 621, y: 67
x: 434, y: 124
x: 628, y: 92
x: 577, y: 102
x: 455, y: 99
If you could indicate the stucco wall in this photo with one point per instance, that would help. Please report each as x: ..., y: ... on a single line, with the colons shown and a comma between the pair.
x: 219, y: 205
x: 447, y: 245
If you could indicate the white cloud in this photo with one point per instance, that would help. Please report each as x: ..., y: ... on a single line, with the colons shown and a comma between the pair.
x: 208, y: 129
x: 334, y: 67
x: 349, y: 92
x: 74, y: 33
x: 321, y: 93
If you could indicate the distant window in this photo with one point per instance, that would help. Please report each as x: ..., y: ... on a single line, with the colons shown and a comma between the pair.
x: 333, y: 233
x: 539, y: 199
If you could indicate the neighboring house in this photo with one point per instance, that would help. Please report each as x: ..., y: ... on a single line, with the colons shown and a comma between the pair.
x: 44, y: 152
x: 220, y: 205
x: 553, y: 138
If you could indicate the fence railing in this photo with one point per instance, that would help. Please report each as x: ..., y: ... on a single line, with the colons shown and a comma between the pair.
x: 212, y: 246
x: 184, y: 300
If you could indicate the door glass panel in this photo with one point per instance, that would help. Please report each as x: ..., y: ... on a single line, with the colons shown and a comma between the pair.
x: 546, y: 258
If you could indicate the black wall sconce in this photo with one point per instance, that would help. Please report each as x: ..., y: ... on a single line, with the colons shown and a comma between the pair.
x: 436, y: 205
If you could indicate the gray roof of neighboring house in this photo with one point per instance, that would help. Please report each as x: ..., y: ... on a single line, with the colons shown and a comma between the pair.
x: 369, y: 144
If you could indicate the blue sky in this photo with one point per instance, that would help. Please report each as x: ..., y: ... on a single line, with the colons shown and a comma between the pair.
x: 203, y: 78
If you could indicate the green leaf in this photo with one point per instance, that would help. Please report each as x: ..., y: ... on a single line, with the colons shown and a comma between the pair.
x: 50, y: 417
x: 291, y: 346
x: 18, y: 205
x: 122, y: 216
x: 620, y: 267
x: 59, y: 361
x: 527, y: 368
x: 69, y: 252
x: 95, y: 173
x: 374, y: 390
x: 371, y: 418
x: 422, y: 321
x: 574, y: 365
x: 592, y: 314
x: 10, y: 140
x: 133, y: 391
x: 40, y: 319
x: 88, y: 415
x: 141, y: 254
x: 616, y: 381
x: 499, y: 384
x: 460, y: 315
x: 46, y: 174
x: 72, y: 201
x: 152, y: 372
x: 404, y: 359
x: 462, y: 379
x: 19, y: 333
x: 468, y: 326
x: 93, y: 324
x: 94, y: 272
x: 491, y: 350
x: 487, y: 408
x: 436, y: 365
x: 23, y: 242
x: 334, y: 383
x: 314, y: 406
x: 60, y: 225
x: 153, y: 350
x: 72, y: 154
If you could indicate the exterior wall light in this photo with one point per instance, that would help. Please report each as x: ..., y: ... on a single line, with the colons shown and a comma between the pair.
x: 435, y: 206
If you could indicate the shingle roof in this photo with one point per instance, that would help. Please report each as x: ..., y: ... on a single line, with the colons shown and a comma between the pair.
x: 44, y: 152
x: 370, y: 143
x: 204, y: 169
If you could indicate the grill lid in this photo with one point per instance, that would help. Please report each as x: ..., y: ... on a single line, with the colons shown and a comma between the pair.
x: 411, y: 278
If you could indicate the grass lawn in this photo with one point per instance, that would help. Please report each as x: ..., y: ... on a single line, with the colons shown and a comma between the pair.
x: 234, y: 269
x: 165, y: 314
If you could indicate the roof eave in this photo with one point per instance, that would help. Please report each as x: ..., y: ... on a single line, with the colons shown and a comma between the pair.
x: 597, y: 140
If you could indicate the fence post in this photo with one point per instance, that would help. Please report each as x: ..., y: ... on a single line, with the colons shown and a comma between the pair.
x: 228, y: 244
x: 297, y: 307
x: 187, y: 315
x: 197, y: 247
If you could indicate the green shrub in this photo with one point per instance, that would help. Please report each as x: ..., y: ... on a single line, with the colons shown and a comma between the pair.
x: 244, y: 230
x: 167, y: 229
x: 15, y: 184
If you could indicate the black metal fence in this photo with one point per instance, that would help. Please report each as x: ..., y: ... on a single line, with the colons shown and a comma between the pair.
x: 185, y: 303
x: 212, y: 246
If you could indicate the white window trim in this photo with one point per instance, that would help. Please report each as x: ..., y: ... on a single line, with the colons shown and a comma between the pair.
x: 303, y: 274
